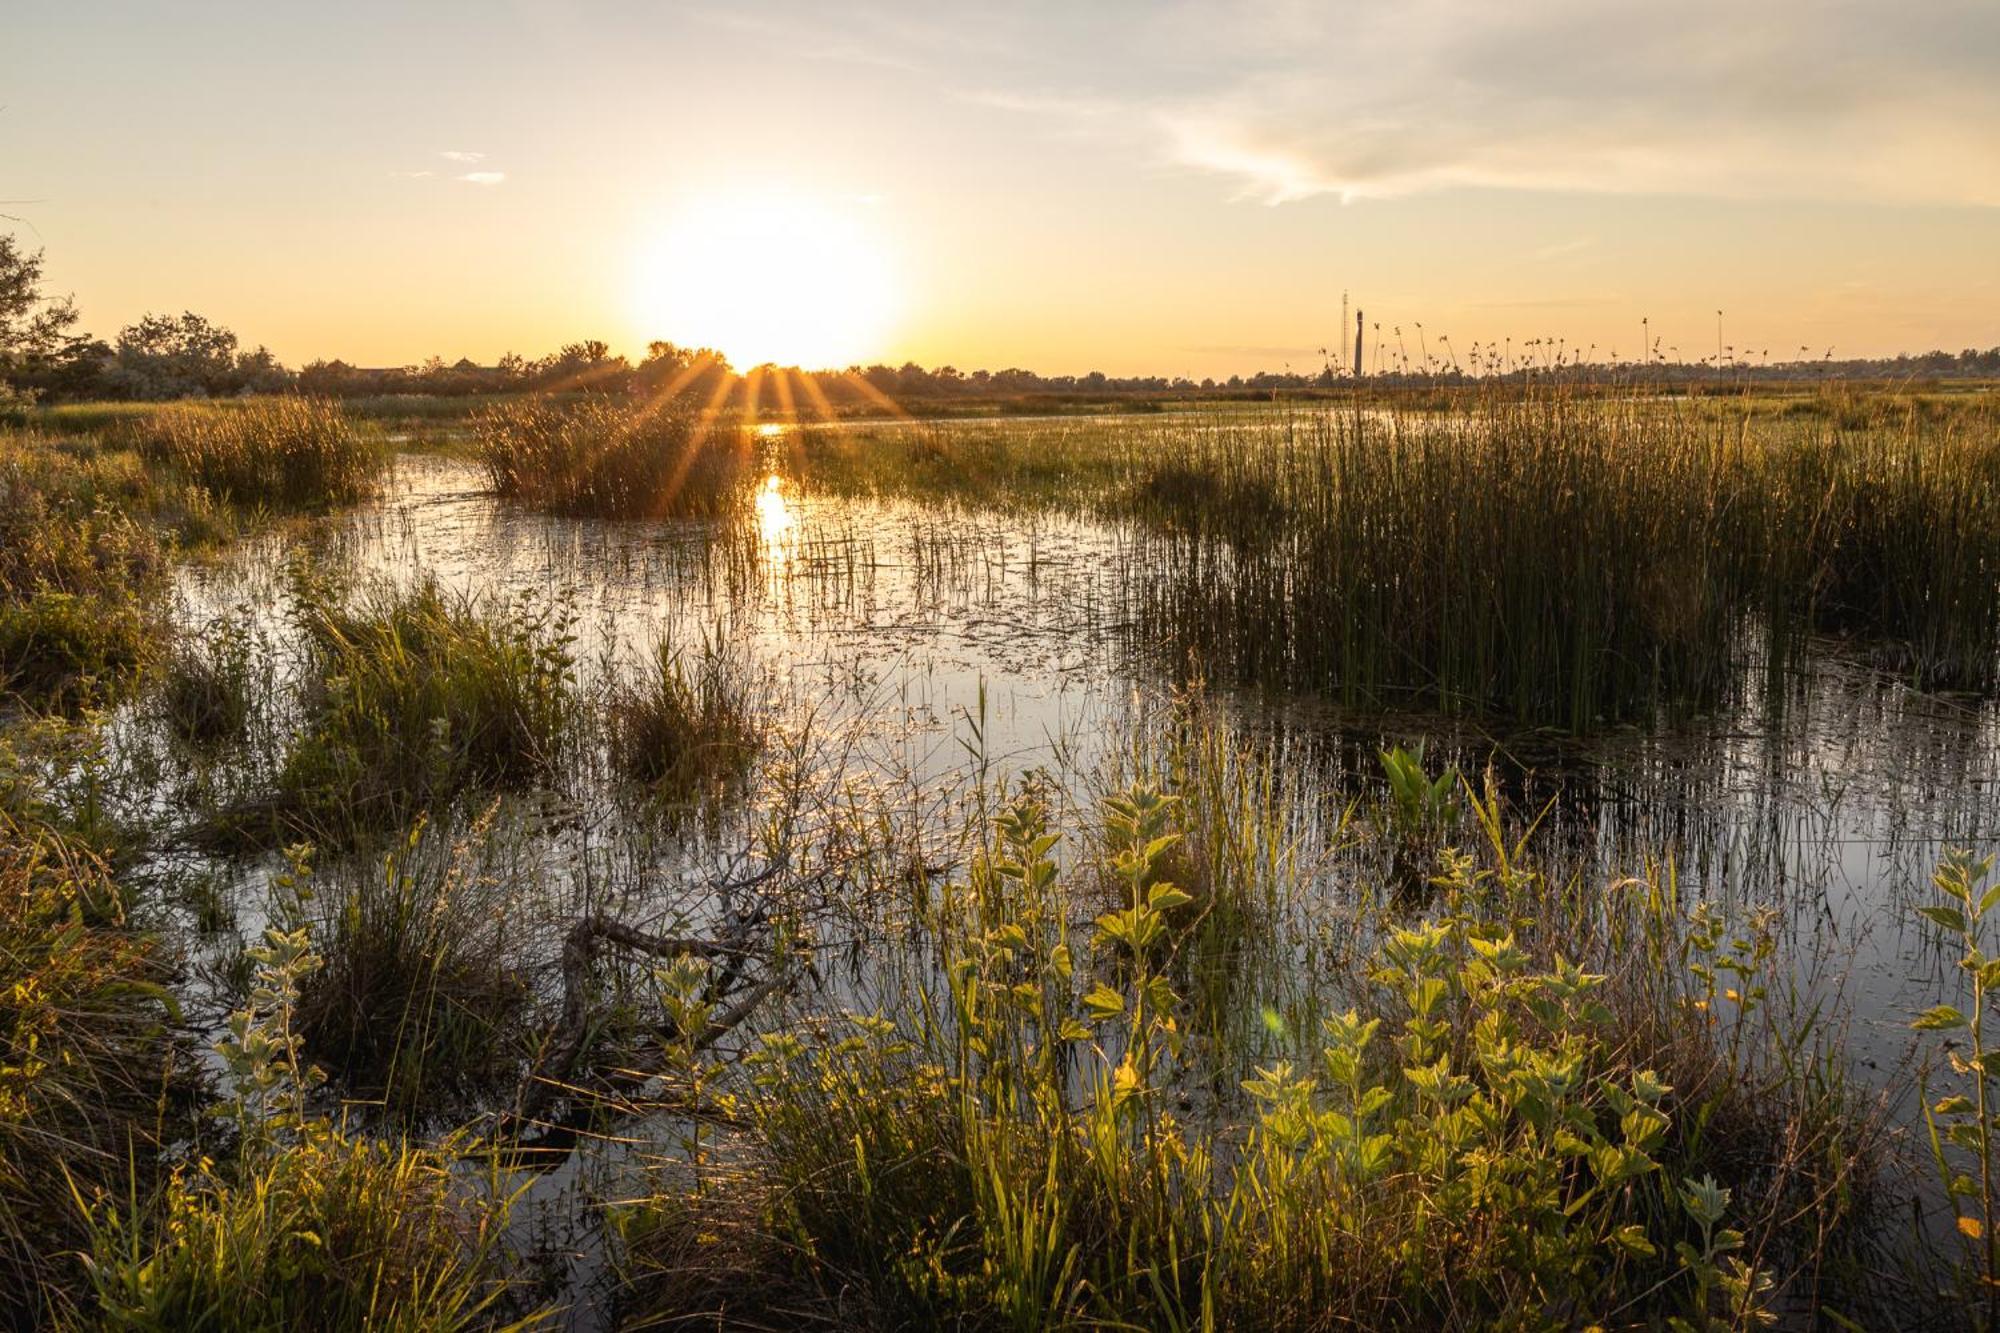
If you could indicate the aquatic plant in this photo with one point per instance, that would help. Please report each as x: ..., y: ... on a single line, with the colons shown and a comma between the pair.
x: 683, y: 728
x: 278, y: 453
x: 1963, y: 1124
x: 657, y: 459
x: 419, y: 998
x: 417, y: 697
x: 306, y: 1225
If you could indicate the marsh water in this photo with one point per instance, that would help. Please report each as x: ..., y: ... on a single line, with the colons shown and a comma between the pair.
x: 936, y: 640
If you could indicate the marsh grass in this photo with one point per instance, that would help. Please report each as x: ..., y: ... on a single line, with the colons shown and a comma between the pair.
x: 77, y: 568
x: 684, y: 728
x: 414, y: 698
x: 305, y: 1224
x: 601, y: 459
x: 276, y: 453
x: 207, y: 688
x: 421, y: 999
x: 1533, y: 554
x: 1513, y: 1105
x: 96, y: 1078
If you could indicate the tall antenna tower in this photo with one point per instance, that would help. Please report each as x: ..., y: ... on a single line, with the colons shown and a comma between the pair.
x: 1343, y: 317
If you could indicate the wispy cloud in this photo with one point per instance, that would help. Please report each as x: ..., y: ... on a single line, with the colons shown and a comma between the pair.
x: 1857, y: 100
x: 1564, y: 249
x: 482, y: 177
x: 461, y: 155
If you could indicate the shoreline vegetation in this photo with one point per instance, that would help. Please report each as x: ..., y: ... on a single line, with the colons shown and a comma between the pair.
x: 1180, y: 1038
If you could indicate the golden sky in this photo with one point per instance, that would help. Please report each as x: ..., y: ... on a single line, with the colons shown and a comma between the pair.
x: 1180, y: 188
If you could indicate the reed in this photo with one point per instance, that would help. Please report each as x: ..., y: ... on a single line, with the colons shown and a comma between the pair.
x: 611, y: 460
x: 274, y: 453
x: 683, y: 729
x: 417, y: 697
x: 1532, y: 554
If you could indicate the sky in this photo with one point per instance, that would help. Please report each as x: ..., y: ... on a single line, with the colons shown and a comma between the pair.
x: 1175, y: 188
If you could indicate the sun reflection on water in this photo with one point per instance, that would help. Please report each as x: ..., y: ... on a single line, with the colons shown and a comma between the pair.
x: 775, y: 519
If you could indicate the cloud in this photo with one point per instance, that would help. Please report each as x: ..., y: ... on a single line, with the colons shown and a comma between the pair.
x: 482, y: 177
x: 1284, y: 100
x: 1795, y: 97
x: 460, y: 155
x: 1564, y: 249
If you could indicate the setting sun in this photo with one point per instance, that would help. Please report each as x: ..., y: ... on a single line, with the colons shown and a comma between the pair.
x: 769, y: 278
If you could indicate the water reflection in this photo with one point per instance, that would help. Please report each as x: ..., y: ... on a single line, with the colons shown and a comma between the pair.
x: 775, y: 520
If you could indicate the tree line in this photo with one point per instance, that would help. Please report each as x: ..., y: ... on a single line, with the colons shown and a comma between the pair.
x: 46, y: 357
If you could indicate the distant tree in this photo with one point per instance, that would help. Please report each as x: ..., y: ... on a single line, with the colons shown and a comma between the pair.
x: 671, y: 368
x: 40, y: 350
x: 582, y: 365
x: 163, y: 356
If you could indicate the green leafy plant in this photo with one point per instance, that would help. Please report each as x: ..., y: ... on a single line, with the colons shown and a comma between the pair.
x: 1962, y: 1124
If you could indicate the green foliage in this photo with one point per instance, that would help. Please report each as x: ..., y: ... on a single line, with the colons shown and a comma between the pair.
x: 1484, y: 1147
x: 77, y: 569
x: 683, y: 731
x: 659, y: 459
x: 95, y: 1081
x: 205, y: 692
x: 419, y: 1000
x: 64, y: 651
x: 1963, y: 1124
x: 416, y: 698
x: 306, y: 1227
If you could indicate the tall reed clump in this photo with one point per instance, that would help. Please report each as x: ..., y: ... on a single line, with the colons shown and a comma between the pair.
x: 304, y: 1225
x: 418, y: 1003
x: 416, y: 697
x: 277, y: 453
x: 96, y: 1080
x: 1492, y: 1131
x: 604, y: 459
x: 1896, y: 523
x: 1535, y: 556
x: 683, y: 729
